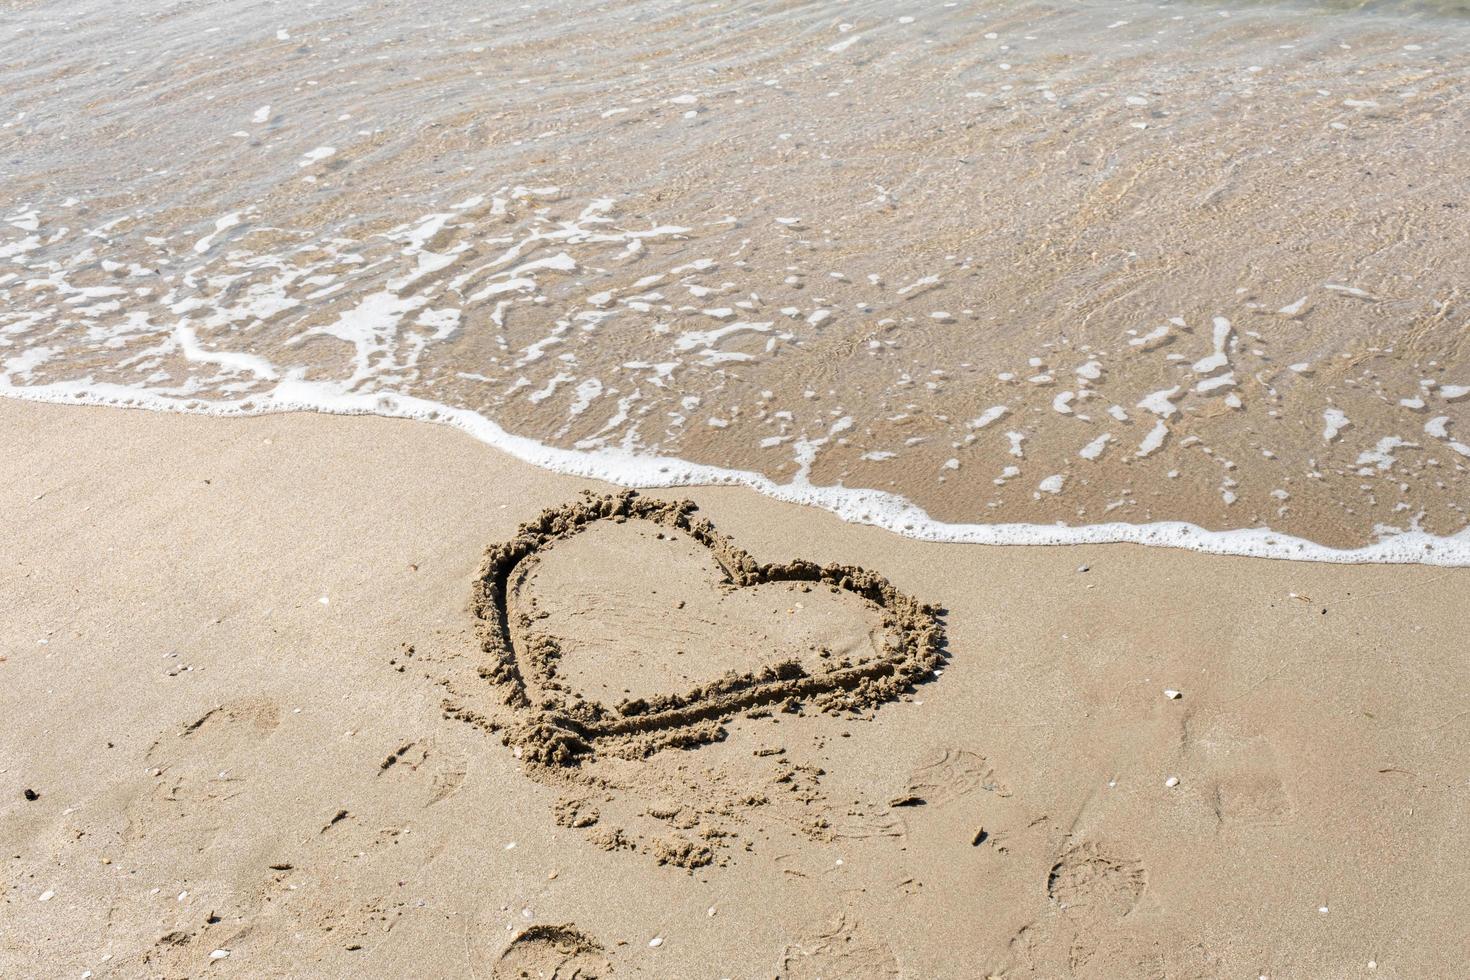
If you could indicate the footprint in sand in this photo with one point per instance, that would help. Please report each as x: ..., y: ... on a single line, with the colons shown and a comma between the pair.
x: 1248, y: 788
x: 1257, y: 798
x: 1110, y: 956
x: 198, y: 769
x: 843, y: 952
x: 1090, y: 949
x: 552, y: 953
x: 436, y: 773
x: 863, y: 823
x: 200, y: 807
x: 1091, y: 880
x: 1086, y: 933
x: 951, y: 774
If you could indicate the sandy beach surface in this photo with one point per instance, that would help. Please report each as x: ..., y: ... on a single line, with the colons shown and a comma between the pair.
x: 246, y: 734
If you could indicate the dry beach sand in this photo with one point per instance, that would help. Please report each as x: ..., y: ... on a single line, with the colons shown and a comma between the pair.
x: 240, y: 674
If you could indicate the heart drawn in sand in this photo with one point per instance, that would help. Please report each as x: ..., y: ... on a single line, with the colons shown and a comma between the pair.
x: 562, y: 723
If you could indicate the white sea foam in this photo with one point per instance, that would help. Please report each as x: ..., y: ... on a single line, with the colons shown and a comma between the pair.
x: 317, y: 155
x: 1160, y: 402
x: 1095, y: 448
x: 873, y: 507
x: 1154, y: 439
x: 1153, y: 338
x: 1219, y: 359
x: 1052, y: 484
x: 988, y: 416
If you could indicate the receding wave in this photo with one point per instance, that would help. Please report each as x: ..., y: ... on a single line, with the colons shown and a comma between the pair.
x: 1003, y: 272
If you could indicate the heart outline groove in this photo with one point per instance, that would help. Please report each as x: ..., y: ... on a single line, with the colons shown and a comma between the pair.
x: 560, y: 727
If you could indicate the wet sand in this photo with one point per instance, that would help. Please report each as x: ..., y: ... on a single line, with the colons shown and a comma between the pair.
x: 241, y: 675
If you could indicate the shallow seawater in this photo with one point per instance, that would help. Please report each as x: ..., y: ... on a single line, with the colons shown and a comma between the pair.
x: 1022, y: 263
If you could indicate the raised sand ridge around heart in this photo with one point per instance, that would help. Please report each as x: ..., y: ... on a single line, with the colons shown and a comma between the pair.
x: 560, y: 724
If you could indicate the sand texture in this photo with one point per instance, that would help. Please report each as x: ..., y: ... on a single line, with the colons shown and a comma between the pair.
x: 312, y: 696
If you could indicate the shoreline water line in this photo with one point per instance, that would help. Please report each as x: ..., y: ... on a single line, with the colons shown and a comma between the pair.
x: 877, y: 508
